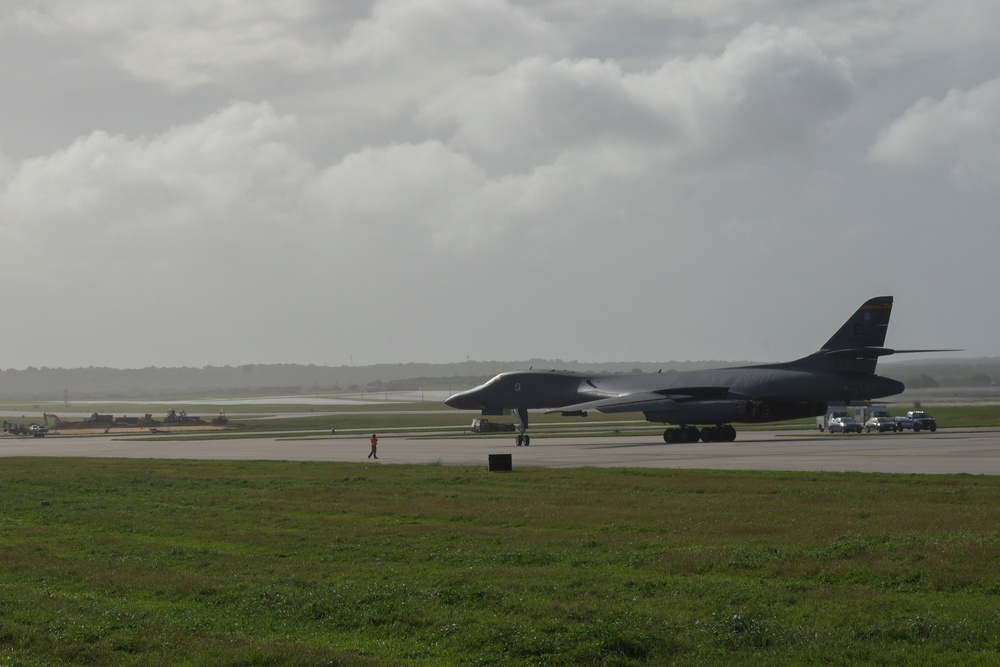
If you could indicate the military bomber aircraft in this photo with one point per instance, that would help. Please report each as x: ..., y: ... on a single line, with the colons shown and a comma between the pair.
x: 842, y: 370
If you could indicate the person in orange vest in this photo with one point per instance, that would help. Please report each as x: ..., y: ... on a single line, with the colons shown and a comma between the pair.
x: 374, y: 442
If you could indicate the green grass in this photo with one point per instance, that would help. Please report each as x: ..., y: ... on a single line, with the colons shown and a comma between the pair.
x: 277, y: 563
x: 961, y: 415
x: 432, y: 414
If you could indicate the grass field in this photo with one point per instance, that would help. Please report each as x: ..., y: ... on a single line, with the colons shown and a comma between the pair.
x: 111, y: 561
x: 434, y: 413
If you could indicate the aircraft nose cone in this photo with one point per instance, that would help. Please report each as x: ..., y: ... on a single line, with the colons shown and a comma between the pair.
x: 459, y: 401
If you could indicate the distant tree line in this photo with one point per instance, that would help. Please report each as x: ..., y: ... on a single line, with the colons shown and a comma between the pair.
x: 93, y: 383
x: 930, y: 374
x: 101, y: 383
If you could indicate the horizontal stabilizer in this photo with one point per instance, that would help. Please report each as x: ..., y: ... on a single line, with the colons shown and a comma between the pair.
x: 872, y: 352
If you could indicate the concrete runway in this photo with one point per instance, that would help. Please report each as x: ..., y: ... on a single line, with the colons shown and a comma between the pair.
x: 973, y: 451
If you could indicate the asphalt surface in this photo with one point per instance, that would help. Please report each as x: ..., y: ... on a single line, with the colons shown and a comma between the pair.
x: 973, y: 451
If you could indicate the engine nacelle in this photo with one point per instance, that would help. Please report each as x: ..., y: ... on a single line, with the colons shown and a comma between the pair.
x: 728, y: 411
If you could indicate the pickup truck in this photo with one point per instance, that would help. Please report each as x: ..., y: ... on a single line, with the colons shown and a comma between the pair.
x: 922, y: 421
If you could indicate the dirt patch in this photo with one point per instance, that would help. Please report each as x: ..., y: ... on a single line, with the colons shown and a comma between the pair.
x: 124, y: 430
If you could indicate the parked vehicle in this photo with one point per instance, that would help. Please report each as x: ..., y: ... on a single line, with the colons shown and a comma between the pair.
x: 922, y: 421
x: 905, y: 424
x: 844, y: 425
x: 824, y: 421
x: 486, y: 426
x: 880, y: 420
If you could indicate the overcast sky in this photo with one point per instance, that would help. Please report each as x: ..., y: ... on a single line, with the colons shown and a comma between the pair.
x: 222, y: 182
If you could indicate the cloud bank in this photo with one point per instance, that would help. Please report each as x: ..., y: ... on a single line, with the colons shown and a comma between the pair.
x: 224, y: 182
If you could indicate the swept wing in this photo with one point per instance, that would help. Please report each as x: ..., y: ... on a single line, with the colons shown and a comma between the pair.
x: 654, y: 401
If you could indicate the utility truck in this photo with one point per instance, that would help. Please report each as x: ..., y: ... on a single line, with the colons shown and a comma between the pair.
x: 486, y: 426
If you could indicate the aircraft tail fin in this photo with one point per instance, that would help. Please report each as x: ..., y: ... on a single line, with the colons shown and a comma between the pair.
x: 865, y: 328
x: 858, y: 344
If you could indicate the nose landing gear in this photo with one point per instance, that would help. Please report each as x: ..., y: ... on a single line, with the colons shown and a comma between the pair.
x: 522, y: 436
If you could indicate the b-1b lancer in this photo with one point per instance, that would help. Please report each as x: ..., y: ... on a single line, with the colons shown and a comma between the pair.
x: 842, y: 370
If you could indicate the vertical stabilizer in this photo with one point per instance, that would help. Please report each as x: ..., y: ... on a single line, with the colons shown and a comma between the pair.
x: 858, y: 344
x: 866, y: 328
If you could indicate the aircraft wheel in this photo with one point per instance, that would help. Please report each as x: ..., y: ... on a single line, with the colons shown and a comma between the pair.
x: 527, y: 439
x: 520, y: 440
x: 728, y: 434
x: 692, y: 434
x: 670, y: 436
x: 709, y: 434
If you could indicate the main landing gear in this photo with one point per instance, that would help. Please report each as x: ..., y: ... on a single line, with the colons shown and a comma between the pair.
x: 522, y: 437
x: 720, y: 433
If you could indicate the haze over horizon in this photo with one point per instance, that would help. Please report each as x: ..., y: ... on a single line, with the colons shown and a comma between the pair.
x: 185, y: 184
x: 476, y: 366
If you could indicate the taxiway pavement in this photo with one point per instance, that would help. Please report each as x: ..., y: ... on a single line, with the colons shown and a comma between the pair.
x: 973, y: 451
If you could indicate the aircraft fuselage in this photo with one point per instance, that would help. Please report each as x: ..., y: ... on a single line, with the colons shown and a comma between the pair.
x: 842, y: 370
x: 778, y: 383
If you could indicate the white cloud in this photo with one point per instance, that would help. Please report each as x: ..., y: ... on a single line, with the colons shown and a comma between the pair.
x: 767, y: 92
x: 538, y: 109
x: 462, y: 32
x: 584, y: 136
x: 960, y: 132
x: 6, y: 167
x: 407, y: 51
x: 185, y: 43
x: 623, y: 179
x: 112, y: 198
x: 393, y: 192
